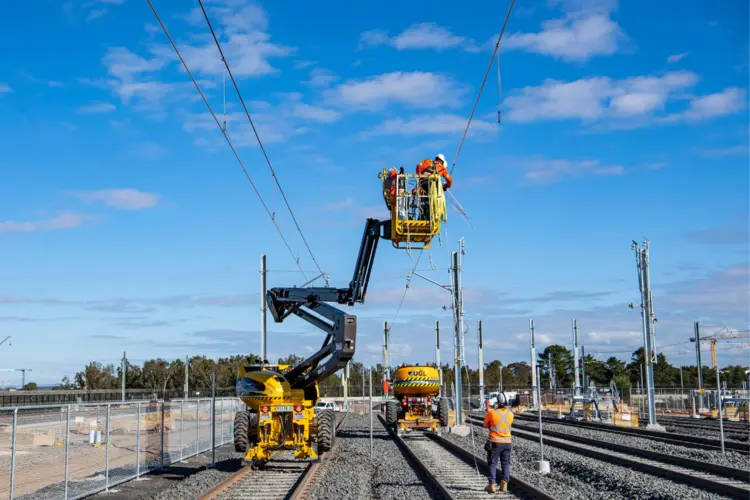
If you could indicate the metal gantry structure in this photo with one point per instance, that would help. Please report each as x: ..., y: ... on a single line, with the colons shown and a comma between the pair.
x: 648, y: 318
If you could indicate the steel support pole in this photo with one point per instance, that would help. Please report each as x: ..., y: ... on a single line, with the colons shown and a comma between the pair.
x: 13, y: 453
x: 481, y: 364
x: 539, y: 405
x: 576, y: 374
x: 263, y: 309
x: 718, y: 404
x: 162, y: 432
x: 124, y: 372
x: 386, y: 361
x: 346, y: 386
x: 682, y: 390
x: 182, y: 431
x: 67, y: 452
x: 371, y: 446
x: 647, y: 314
x: 699, y: 362
x: 106, y: 447
x: 187, y: 368
x: 138, y: 442
x: 458, y: 320
x: 437, y: 355
x: 213, y: 418
x: 533, y: 362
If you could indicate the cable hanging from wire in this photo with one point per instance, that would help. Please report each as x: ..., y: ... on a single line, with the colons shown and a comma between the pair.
x: 408, y: 284
x: 224, y: 133
x: 487, y: 73
x: 247, y: 113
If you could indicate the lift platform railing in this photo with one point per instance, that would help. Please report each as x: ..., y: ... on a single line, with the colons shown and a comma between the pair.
x: 417, y: 206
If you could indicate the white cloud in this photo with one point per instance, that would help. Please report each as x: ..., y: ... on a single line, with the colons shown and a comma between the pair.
x: 635, y: 101
x: 726, y: 102
x: 95, y: 14
x: 321, y: 77
x: 738, y: 150
x: 242, y: 30
x: 546, y: 171
x: 5, y: 88
x: 416, y: 89
x: 66, y: 220
x: 97, y: 107
x: 418, y: 37
x: 677, y: 57
x: 585, y: 31
x: 430, y: 124
x: 314, y: 113
x: 125, y: 199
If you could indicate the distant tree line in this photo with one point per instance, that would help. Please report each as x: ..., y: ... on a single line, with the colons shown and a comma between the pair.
x: 162, y: 376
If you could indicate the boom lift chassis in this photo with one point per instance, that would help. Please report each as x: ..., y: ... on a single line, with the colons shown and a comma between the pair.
x: 299, y: 385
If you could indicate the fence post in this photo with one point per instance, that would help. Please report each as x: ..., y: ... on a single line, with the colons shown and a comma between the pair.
x: 221, y: 423
x: 162, y: 432
x: 182, y: 427
x: 67, y: 450
x: 213, y: 418
x: 197, y: 426
x: 106, y: 449
x: 13, y: 453
x: 138, y: 443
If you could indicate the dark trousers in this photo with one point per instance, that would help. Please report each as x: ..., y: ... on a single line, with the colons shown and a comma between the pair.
x: 501, y: 451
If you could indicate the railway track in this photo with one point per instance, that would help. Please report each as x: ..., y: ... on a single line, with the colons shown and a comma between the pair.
x: 674, y: 438
x: 283, y: 478
x: 452, y: 469
x: 713, y: 425
x: 707, y: 476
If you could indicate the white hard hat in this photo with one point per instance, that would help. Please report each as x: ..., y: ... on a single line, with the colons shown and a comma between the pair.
x: 441, y: 157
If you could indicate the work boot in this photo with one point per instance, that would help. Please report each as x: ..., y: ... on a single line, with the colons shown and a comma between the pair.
x: 503, y: 486
x: 490, y: 488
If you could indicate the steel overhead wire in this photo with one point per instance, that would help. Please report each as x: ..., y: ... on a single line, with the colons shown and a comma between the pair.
x: 224, y: 133
x: 408, y: 283
x: 492, y: 60
x: 247, y: 113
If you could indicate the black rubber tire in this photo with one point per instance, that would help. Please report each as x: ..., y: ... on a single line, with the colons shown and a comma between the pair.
x: 326, y: 430
x: 391, y: 412
x: 241, y: 434
x: 443, y: 412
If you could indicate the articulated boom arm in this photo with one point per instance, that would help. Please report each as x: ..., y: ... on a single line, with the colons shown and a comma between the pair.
x: 341, y: 329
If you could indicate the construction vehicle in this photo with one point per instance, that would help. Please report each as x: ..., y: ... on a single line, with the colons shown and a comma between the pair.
x: 280, y: 399
x: 414, y: 388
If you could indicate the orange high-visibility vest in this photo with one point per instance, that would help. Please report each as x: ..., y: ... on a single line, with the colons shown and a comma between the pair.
x: 499, y: 423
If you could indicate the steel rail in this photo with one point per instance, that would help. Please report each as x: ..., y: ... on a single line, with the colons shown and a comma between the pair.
x: 664, y: 437
x: 448, y: 478
x: 711, y: 477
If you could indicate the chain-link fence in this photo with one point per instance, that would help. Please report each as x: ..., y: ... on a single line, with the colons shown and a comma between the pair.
x: 71, y: 451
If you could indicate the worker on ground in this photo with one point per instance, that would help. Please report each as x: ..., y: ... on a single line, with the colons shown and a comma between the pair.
x: 499, y: 421
x: 426, y: 168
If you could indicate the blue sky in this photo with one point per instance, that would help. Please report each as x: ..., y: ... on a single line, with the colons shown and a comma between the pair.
x: 127, y: 224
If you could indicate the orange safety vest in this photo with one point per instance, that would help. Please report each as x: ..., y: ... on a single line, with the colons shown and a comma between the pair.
x: 427, y: 167
x: 499, y: 423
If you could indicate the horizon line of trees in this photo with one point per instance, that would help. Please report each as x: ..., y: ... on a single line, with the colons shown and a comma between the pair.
x: 161, y: 375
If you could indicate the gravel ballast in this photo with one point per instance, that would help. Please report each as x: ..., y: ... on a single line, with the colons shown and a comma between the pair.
x: 576, y: 476
x: 732, y: 459
x: 351, y: 475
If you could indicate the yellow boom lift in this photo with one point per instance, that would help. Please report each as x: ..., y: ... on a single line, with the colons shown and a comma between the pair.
x: 280, y: 398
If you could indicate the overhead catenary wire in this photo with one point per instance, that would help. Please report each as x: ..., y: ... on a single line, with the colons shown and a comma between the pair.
x: 263, y: 149
x: 224, y: 133
x: 484, y: 81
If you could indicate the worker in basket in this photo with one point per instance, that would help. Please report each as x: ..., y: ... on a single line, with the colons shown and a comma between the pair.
x: 499, y: 421
x: 425, y: 168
